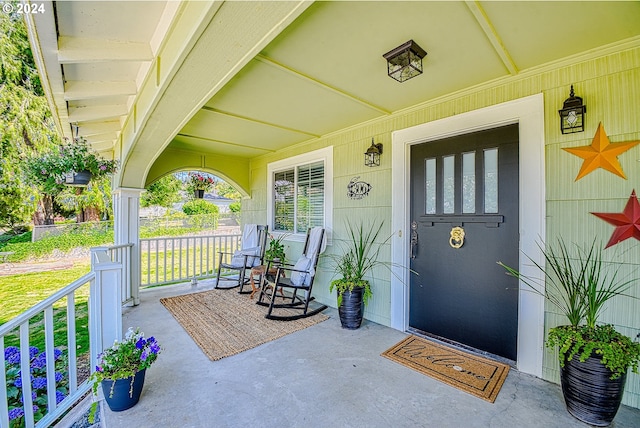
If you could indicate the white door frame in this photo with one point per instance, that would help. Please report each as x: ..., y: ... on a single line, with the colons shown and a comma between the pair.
x: 528, y: 112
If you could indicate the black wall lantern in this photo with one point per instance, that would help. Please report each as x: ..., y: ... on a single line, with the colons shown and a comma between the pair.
x: 372, y: 155
x: 405, y: 61
x: 572, y: 114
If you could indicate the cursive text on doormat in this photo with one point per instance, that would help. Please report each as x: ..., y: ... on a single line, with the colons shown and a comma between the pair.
x: 476, y: 375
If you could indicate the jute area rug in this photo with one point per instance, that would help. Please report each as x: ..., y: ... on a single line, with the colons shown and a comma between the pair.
x: 224, y: 323
x: 479, y: 376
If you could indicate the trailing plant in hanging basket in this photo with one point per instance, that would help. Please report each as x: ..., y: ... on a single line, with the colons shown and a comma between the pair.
x: 52, y: 168
x: 198, y: 181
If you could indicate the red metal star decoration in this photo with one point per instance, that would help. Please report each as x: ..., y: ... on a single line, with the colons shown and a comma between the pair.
x: 627, y: 222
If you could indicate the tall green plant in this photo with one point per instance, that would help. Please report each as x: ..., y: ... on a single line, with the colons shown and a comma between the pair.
x: 360, y: 255
x: 579, y: 283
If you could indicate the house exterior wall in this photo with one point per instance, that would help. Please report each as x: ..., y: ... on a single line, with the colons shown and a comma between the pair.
x: 608, y: 82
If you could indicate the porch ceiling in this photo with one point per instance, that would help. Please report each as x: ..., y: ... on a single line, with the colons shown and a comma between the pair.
x: 321, y: 73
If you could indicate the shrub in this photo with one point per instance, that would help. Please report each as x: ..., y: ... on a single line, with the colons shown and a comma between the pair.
x: 38, y: 383
x: 199, y: 206
x: 234, y: 207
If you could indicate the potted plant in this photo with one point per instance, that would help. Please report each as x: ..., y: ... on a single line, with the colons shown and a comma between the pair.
x: 359, y: 257
x: 200, y: 183
x: 275, y: 250
x: 121, y: 369
x: 594, y: 358
x: 72, y: 164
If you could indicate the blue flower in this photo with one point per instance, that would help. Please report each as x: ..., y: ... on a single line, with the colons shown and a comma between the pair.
x: 140, y: 343
x: 155, y: 348
x: 59, y: 397
x: 33, y: 351
x: 39, y: 362
x: 39, y: 383
x: 18, y: 382
x: 12, y: 355
x: 33, y: 397
x: 16, y: 413
x: 144, y: 355
x: 57, y: 353
x: 59, y: 376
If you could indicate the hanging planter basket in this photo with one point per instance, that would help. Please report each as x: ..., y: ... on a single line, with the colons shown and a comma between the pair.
x: 77, y: 179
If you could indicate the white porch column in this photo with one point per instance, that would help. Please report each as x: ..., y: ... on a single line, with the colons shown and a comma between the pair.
x: 126, y: 212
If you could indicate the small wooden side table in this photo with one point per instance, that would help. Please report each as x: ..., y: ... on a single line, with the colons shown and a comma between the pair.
x: 259, y: 271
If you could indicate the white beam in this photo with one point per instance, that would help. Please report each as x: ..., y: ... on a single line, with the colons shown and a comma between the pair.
x: 299, y: 74
x: 83, y: 90
x: 94, y: 128
x: 79, y: 114
x: 491, y: 33
x: 79, y: 50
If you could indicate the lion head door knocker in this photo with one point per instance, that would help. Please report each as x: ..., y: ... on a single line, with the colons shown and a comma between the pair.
x: 457, y: 237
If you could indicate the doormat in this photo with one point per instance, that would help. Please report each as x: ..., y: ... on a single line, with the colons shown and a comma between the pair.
x: 225, y: 323
x: 479, y: 376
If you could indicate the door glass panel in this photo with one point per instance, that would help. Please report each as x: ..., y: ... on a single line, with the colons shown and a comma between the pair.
x: 469, y: 182
x: 491, y: 181
x: 448, y: 183
x: 430, y: 186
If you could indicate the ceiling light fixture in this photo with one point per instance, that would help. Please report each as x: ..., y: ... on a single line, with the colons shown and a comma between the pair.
x: 405, y: 61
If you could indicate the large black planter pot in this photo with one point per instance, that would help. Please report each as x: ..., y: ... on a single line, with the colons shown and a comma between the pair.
x: 589, y: 393
x: 77, y: 179
x: 199, y: 194
x: 351, y: 308
x: 122, y: 399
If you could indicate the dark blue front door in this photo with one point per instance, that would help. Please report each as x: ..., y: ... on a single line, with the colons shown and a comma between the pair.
x: 464, y: 219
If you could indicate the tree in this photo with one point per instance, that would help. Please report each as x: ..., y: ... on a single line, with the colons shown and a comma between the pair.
x: 26, y: 124
x: 90, y: 204
x: 163, y: 192
x: 227, y: 190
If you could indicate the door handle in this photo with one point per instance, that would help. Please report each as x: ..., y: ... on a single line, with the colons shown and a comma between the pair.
x: 414, y: 239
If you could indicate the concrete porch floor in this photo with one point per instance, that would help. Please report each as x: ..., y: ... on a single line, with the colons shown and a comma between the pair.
x: 322, y: 376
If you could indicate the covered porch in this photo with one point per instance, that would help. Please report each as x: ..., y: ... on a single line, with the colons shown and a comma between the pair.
x: 322, y: 376
x: 250, y: 91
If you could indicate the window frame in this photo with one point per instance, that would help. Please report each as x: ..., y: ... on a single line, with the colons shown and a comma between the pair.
x: 326, y: 156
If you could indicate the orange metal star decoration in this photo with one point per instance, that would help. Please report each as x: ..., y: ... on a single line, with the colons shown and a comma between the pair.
x: 601, y: 154
x: 627, y: 222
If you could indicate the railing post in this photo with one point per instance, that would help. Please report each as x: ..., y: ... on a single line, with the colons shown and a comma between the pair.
x: 105, y: 304
x: 126, y: 229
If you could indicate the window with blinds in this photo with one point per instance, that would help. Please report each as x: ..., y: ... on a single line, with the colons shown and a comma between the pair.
x: 299, y: 197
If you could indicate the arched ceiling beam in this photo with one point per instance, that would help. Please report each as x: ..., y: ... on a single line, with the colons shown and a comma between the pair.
x: 198, y: 76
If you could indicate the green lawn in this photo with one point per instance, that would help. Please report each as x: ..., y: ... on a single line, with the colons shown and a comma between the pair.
x: 20, y: 292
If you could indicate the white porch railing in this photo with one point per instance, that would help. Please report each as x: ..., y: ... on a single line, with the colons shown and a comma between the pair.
x: 121, y: 254
x: 52, y: 392
x: 179, y: 259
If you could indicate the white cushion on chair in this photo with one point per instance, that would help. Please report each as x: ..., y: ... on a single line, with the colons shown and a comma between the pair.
x: 298, y: 278
x: 238, y: 257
